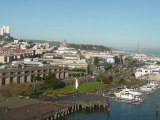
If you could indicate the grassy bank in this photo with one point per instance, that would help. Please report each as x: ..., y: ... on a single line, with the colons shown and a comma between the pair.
x: 83, y: 88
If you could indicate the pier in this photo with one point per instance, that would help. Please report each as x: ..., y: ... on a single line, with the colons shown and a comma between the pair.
x: 57, y: 108
x: 67, y: 110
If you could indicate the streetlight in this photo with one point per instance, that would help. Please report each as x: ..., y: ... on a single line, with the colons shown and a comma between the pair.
x: 76, y: 86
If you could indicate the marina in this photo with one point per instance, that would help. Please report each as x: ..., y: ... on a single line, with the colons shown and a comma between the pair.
x: 133, y: 96
x: 149, y: 109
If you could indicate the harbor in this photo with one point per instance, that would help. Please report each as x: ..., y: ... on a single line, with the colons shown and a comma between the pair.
x: 70, y: 106
x: 149, y: 109
x: 134, y: 96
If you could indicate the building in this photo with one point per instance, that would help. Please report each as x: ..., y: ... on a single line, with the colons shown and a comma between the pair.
x: 5, y: 31
x: 42, y: 48
x: 65, y: 60
x: 92, y: 54
x: 63, y: 49
x: 27, y: 74
x: 8, y: 55
x: 1, y: 32
x: 147, y: 71
x: 110, y: 60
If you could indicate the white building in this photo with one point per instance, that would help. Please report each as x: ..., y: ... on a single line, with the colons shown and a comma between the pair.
x: 63, y: 49
x: 40, y: 48
x: 5, y: 30
x: 16, y: 41
x: 1, y: 32
x: 110, y: 60
x: 91, y: 54
x: 147, y: 70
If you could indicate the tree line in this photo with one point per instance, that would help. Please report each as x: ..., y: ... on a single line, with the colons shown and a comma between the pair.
x: 89, y: 47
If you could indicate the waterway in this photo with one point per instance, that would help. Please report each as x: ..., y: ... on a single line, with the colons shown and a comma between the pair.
x: 125, y: 111
x: 151, y: 52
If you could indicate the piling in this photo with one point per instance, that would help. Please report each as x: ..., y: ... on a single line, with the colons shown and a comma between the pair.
x: 157, y: 110
x: 78, y: 106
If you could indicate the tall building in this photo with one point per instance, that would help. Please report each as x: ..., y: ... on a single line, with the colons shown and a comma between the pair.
x: 5, y: 31
x: 1, y: 32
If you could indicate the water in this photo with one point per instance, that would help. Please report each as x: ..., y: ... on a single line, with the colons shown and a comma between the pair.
x: 152, y: 52
x: 124, y: 111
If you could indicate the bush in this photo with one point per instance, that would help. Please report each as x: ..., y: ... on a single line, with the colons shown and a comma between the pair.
x: 16, y: 89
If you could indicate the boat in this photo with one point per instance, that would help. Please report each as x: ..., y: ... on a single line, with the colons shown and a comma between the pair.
x: 147, y: 88
x: 150, y: 87
x: 154, y: 84
x: 129, y: 95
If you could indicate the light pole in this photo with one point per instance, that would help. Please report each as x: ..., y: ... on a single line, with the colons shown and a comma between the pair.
x: 76, y: 86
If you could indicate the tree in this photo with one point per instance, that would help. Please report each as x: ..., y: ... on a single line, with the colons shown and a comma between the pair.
x: 107, y: 67
x: 96, y: 61
x: 26, y: 88
x: 14, y: 89
x: 89, y: 70
x: 121, y: 81
x: 132, y: 63
x: 117, y: 60
x: 110, y: 78
x: 51, y: 81
x: 37, y: 78
x: 104, y: 78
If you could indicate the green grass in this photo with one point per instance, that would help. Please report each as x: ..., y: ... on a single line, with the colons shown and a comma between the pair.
x: 90, y: 87
x: 47, y: 91
x: 116, y: 80
x: 65, y: 90
x: 83, y: 88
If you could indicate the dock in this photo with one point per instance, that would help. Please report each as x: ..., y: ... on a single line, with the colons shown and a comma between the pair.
x: 57, y: 108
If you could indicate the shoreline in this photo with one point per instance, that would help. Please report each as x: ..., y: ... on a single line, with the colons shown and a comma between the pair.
x: 47, y: 107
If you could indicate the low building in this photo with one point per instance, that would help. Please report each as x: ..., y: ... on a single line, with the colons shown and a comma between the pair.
x: 27, y: 74
x: 63, y: 49
x: 65, y: 60
x: 70, y: 65
x: 92, y: 54
x: 110, y: 60
x: 8, y: 55
x: 147, y: 70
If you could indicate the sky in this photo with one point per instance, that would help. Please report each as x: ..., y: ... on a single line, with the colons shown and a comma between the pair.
x: 112, y: 23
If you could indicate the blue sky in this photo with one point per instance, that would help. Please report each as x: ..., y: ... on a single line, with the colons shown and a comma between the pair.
x: 114, y: 23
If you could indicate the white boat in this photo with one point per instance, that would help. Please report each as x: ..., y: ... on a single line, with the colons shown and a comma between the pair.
x: 129, y: 95
x: 154, y: 84
x: 147, y: 88
x: 150, y: 87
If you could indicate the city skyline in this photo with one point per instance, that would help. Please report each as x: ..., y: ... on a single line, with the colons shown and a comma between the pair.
x: 109, y: 23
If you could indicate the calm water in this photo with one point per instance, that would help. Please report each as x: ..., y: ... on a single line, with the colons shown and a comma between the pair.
x: 123, y: 111
x: 155, y: 52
